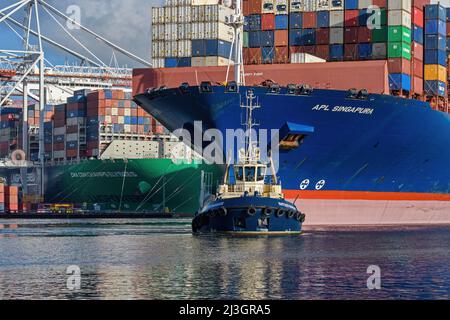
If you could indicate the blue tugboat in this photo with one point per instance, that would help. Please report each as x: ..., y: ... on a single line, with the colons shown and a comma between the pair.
x: 250, y: 201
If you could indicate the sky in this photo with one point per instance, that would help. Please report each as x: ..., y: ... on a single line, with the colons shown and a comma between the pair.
x: 126, y: 23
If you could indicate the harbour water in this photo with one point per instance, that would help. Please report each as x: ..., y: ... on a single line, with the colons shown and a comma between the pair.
x: 160, y: 259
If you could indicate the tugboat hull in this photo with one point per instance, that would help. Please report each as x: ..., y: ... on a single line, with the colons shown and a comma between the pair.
x: 249, y: 216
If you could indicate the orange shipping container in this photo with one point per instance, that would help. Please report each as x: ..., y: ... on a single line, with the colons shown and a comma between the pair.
x: 255, y: 6
x: 281, y: 55
x: 281, y: 38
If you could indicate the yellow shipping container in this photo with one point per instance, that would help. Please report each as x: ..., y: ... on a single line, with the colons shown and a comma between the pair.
x: 435, y: 72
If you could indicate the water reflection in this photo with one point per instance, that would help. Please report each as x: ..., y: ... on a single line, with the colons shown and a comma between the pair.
x: 162, y: 260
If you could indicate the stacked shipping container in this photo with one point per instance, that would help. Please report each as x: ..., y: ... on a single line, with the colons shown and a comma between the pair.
x: 435, y: 72
x: 191, y: 33
x: 9, y: 198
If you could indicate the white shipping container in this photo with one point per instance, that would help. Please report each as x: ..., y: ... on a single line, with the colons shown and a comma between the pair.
x: 281, y: 7
x: 174, y: 14
x: 158, y: 49
x: 204, y: 2
x: 59, y: 154
x: 363, y: 4
x: 221, y: 31
x: 305, y: 58
x: 72, y: 137
x: 323, y: 5
x: 405, y: 5
x: 184, y: 48
x: 161, y: 15
x: 267, y: 6
x: 217, y: 61
x: 399, y: 18
x: 184, y: 14
x: 198, y: 61
x: 155, y: 11
x: 309, y: 5
x: 157, y: 63
x: 336, y: 35
x: 184, y: 31
x: 295, y: 5
x: 219, y: 13
x: 337, y: 19
x: 167, y: 15
x: 171, y: 49
x: 59, y: 131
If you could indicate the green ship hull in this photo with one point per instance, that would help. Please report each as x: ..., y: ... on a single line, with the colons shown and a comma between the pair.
x: 139, y: 185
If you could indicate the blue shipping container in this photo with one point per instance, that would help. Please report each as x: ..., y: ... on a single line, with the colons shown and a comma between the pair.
x: 254, y: 39
x: 267, y: 38
x: 198, y: 48
x: 268, y: 54
x: 435, y: 12
x: 323, y: 19
x: 336, y: 52
x: 434, y: 87
x: 399, y: 81
x: 435, y: 27
x: 364, y: 15
x: 417, y: 34
x: 351, y: 4
x: 295, y: 20
x: 184, y: 62
x: 309, y: 36
x: 435, y: 57
x: 246, y: 23
x: 281, y: 22
x: 170, y: 62
x: 218, y: 48
x: 365, y: 51
x: 254, y: 22
x: 295, y: 37
x: 435, y: 42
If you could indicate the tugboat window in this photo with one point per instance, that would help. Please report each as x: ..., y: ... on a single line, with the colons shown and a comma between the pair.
x: 261, y: 174
x: 249, y: 173
x: 240, y: 174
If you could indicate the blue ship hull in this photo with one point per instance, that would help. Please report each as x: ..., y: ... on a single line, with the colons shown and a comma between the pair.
x: 379, y: 160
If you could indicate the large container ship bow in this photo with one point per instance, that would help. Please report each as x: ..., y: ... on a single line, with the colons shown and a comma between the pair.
x: 363, y: 156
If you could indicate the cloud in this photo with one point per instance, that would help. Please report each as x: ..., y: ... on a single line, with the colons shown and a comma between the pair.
x: 125, y: 23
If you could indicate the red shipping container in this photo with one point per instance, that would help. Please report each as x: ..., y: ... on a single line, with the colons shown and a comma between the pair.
x: 306, y: 49
x: 417, y: 51
x: 72, y: 153
x: 323, y: 51
x: 351, y: 35
x: 134, y: 112
x: 417, y: 17
x: 268, y: 21
x: 281, y: 55
x: 323, y: 36
x: 420, y: 3
x: 364, y: 35
x: 255, y: 55
x: 351, y: 52
x: 121, y: 111
x: 309, y: 20
x: 255, y: 6
x: 281, y: 38
x: 417, y: 67
x: 417, y: 85
x: 399, y: 65
x: 351, y: 18
x: 246, y: 7
x: 380, y: 3
x: 448, y: 29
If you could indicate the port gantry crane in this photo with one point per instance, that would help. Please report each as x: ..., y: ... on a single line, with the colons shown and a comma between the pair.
x: 27, y: 72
